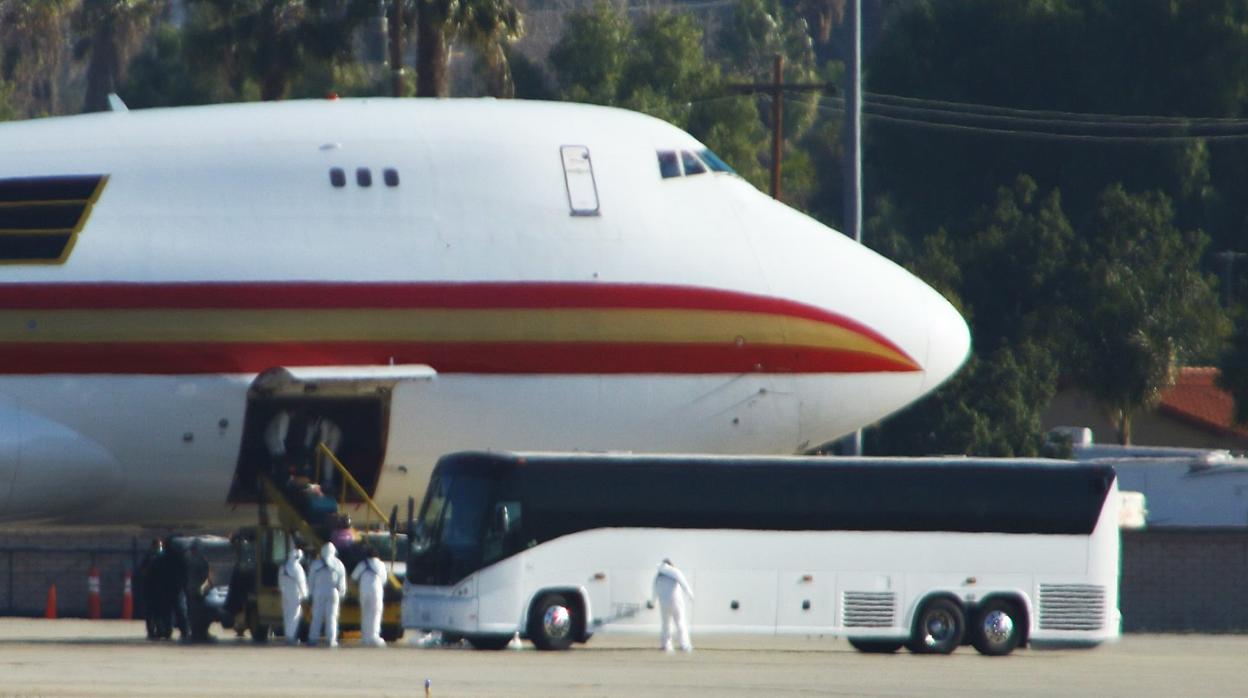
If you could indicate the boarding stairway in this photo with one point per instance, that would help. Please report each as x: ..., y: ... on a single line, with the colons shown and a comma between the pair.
x: 306, y: 511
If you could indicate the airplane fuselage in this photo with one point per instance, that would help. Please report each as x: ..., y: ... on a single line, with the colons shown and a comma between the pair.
x: 620, y: 311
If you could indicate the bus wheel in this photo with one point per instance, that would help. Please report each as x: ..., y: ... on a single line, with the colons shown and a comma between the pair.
x: 552, y: 623
x: 939, y: 628
x: 996, y: 628
x: 875, y: 646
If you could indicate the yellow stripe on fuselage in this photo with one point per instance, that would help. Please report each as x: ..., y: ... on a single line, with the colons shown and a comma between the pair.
x: 434, y: 325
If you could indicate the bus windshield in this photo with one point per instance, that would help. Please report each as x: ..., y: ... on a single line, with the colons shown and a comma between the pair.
x: 447, y: 542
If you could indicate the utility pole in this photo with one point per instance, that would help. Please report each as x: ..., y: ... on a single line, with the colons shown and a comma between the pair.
x: 396, y: 47
x: 777, y: 125
x: 776, y: 89
x: 853, y: 142
x: 853, y: 126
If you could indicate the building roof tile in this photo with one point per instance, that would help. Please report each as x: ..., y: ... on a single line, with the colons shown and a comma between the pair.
x: 1196, y: 400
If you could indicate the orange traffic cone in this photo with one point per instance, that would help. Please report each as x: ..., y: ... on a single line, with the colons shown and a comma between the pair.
x: 127, y: 599
x: 93, y: 593
x: 50, y: 610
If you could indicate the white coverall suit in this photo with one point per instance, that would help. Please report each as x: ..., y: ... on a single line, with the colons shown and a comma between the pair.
x: 294, y: 585
x: 669, y: 584
x: 370, y: 574
x: 328, y: 579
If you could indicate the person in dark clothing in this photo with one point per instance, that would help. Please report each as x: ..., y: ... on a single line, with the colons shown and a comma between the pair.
x: 169, y: 578
x: 156, y: 611
x: 198, y: 581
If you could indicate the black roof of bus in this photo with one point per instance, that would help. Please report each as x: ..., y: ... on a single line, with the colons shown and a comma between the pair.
x: 795, y: 493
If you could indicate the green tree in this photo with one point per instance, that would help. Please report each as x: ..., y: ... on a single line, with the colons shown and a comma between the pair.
x: 111, y: 32
x: 991, y: 408
x: 753, y: 34
x: 7, y: 111
x: 486, y: 25
x: 1144, y: 305
x: 271, y: 44
x: 591, y: 55
x: 657, y: 66
x: 1068, y: 56
x: 33, y: 40
x: 1016, y: 265
x: 161, y: 74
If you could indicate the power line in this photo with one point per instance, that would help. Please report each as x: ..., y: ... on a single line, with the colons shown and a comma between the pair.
x: 880, y: 97
x: 1037, y: 129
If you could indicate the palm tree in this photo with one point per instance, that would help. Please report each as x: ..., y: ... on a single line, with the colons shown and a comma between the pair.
x: 273, y: 42
x: 112, y: 31
x: 33, y: 47
x: 486, y: 25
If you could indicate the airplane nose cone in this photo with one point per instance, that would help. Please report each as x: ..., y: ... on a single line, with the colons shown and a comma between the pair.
x: 948, y: 341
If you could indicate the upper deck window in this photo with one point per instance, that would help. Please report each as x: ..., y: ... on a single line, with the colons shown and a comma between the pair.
x: 669, y: 165
x: 693, y: 166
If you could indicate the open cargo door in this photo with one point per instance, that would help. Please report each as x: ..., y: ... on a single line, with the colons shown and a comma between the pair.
x: 290, y: 410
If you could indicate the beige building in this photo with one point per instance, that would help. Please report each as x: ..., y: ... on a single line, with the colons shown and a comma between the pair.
x: 1194, y: 413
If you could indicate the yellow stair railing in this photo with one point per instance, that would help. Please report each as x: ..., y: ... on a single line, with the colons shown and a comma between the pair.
x: 350, y: 480
x: 289, y: 517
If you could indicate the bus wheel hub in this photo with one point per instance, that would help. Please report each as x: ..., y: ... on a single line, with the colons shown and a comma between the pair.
x: 557, y: 622
x: 998, y: 626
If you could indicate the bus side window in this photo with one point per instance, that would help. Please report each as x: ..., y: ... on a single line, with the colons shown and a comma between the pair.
x: 504, y: 529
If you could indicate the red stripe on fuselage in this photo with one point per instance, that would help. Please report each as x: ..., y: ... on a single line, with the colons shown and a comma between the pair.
x: 480, y: 357
x: 486, y: 358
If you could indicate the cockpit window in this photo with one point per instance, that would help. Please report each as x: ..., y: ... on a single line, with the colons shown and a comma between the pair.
x: 714, y: 162
x: 669, y: 166
x: 693, y: 166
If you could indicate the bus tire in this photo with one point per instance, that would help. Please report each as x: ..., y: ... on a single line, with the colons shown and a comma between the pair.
x: 489, y: 642
x: 997, y: 627
x: 938, y: 628
x: 552, y: 622
x: 875, y: 646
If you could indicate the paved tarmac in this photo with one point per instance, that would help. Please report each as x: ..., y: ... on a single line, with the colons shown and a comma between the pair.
x: 110, y: 658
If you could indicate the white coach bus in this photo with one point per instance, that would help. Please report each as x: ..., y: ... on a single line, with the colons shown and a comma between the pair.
x: 928, y: 554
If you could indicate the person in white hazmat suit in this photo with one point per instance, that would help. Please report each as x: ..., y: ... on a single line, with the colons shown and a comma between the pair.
x: 370, y: 574
x: 671, y: 588
x: 328, y: 578
x: 294, y: 585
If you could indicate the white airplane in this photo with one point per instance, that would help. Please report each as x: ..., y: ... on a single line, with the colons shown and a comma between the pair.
x: 430, y: 275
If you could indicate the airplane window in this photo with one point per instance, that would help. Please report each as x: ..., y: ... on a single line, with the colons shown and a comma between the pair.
x: 337, y: 178
x: 669, y: 166
x: 714, y: 162
x: 391, y: 176
x: 693, y: 166
x: 364, y: 177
